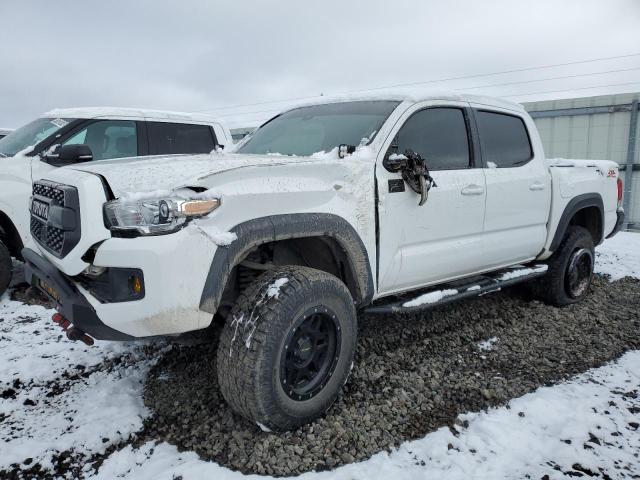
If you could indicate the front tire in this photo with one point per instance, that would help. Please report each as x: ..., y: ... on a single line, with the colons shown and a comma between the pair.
x: 287, y: 347
x: 6, y: 268
x: 570, y: 269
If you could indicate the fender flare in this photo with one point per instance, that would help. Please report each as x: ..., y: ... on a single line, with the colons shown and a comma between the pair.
x: 281, y: 227
x: 576, y: 204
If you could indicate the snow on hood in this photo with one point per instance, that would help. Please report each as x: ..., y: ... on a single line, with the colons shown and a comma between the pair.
x: 170, y: 172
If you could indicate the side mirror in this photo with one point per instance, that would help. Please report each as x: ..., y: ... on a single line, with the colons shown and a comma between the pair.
x: 68, y: 154
x: 395, y: 162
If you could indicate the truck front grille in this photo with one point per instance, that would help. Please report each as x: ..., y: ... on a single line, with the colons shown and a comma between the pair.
x: 59, y: 232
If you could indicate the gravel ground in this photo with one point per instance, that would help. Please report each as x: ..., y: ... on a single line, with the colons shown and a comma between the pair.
x: 412, y: 376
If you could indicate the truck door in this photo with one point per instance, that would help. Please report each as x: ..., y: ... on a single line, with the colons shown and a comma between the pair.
x: 518, y: 188
x: 441, y: 239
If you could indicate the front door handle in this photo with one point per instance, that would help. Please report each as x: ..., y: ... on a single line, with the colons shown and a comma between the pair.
x: 536, y: 186
x: 472, y: 190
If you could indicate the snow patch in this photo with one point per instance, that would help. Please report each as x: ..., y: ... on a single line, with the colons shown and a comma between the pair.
x: 274, y: 288
x: 473, y: 288
x: 431, y: 297
x: 24, y: 152
x: 150, y: 195
x: 491, y: 165
x: 487, y: 345
x: 263, y: 427
x: 521, y: 272
x: 619, y: 256
x: 213, y: 233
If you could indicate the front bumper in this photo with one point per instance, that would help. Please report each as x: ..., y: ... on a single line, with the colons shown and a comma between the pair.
x: 619, y: 223
x: 70, y: 303
x: 174, y: 269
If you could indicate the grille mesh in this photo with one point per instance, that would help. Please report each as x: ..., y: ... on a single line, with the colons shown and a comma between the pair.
x: 49, y: 192
x: 50, y: 236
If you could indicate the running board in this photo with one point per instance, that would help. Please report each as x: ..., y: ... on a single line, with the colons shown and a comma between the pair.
x: 459, y: 290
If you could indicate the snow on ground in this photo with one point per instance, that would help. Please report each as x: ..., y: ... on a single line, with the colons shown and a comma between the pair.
x: 588, y: 423
x: 58, y: 396
x: 487, y: 345
x: 619, y: 256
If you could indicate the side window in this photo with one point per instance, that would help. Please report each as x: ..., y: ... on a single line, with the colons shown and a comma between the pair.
x: 108, y: 139
x: 439, y: 135
x: 167, y: 138
x: 504, y: 139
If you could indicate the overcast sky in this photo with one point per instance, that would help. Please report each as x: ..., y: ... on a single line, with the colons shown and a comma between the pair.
x: 200, y: 55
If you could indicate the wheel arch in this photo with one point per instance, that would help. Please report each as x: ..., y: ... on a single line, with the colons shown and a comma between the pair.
x: 10, y: 236
x: 586, y: 210
x: 331, y: 229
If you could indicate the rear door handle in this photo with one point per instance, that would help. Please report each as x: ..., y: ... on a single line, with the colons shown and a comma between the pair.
x: 472, y: 190
x: 536, y: 186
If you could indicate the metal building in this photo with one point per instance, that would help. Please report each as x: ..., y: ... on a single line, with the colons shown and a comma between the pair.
x: 604, y: 127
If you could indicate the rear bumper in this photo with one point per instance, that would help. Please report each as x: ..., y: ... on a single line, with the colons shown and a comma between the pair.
x: 619, y: 223
x: 70, y: 303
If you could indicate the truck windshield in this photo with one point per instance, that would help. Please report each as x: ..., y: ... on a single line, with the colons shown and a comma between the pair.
x: 30, y: 134
x: 320, y: 128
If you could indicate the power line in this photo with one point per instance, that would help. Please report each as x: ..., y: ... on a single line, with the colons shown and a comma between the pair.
x: 260, y: 119
x: 275, y: 110
x: 572, y: 89
x: 426, y: 82
x: 550, y: 78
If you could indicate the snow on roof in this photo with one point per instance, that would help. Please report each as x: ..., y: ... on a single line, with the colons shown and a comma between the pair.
x: 416, y: 95
x: 96, y: 112
x: 5, y: 131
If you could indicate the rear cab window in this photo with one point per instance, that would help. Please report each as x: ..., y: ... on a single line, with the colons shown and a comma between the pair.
x: 174, y: 138
x: 504, y: 139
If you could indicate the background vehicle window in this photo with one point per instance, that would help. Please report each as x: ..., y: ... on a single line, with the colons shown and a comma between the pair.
x: 168, y: 138
x: 31, y: 134
x: 108, y: 139
x: 439, y: 135
x: 504, y: 139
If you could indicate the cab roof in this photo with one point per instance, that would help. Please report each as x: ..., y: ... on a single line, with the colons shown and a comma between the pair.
x: 137, y: 113
x: 418, y: 95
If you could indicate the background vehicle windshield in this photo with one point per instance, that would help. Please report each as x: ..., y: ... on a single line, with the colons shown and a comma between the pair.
x: 319, y: 128
x: 30, y: 134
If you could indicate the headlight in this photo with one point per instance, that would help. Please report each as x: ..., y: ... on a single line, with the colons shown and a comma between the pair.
x: 155, y: 216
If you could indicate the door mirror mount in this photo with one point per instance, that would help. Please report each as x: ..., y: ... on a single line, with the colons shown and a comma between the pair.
x: 395, y: 162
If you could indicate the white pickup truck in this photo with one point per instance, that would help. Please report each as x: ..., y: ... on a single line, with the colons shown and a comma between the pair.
x: 381, y: 205
x: 57, y: 138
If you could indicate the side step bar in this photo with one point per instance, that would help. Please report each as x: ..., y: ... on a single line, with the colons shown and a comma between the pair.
x: 454, y: 291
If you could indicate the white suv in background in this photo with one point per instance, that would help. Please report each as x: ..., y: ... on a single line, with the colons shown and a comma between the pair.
x: 67, y: 136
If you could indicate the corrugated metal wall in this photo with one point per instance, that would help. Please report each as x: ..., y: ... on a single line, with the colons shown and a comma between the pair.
x: 591, y: 136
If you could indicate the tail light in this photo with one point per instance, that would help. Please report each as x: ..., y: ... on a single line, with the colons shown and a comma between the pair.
x: 619, y: 192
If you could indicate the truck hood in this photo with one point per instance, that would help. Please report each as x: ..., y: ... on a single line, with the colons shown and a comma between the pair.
x: 169, y: 172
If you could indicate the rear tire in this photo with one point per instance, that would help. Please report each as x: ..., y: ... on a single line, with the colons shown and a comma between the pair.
x: 570, y: 269
x: 6, y: 268
x: 287, y: 347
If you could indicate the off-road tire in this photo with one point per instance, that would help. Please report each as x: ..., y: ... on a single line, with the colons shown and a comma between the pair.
x: 6, y: 268
x: 252, y: 345
x: 552, y: 288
